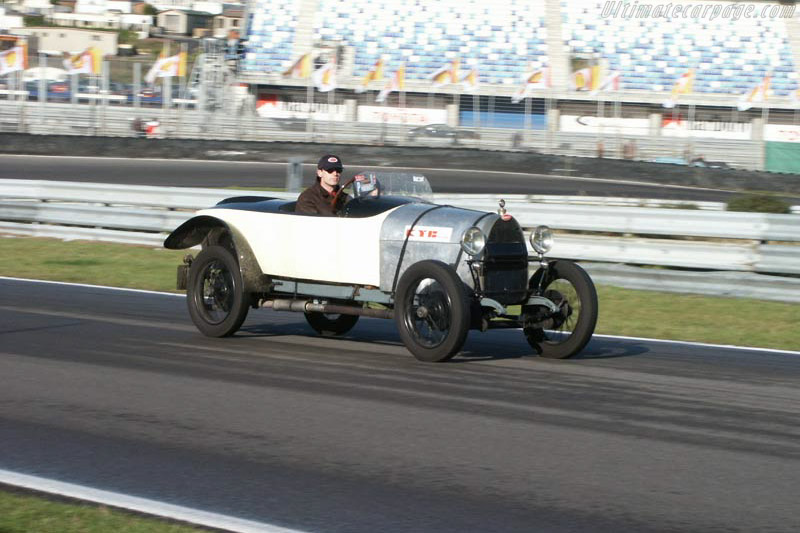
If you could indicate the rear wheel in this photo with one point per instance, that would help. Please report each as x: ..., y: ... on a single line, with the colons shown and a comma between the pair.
x: 331, y: 323
x: 566, y: 331
x: 215, y: 293
x: 432, y: 311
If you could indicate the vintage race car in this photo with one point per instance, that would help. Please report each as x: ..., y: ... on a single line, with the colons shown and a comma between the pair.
x: 437, y: 270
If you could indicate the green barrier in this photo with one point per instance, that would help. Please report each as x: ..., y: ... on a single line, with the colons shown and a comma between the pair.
x: 783, y: 157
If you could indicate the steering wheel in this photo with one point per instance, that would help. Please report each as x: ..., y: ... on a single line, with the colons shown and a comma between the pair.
x: 336, y: 196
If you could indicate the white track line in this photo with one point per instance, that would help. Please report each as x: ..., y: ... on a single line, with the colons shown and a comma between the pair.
x: 140, y: 505
x: 700, y: 344
x: 85, y: 285
x: 619, y: 337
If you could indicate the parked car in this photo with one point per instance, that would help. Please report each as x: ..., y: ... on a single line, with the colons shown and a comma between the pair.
x: 696, y: 162
x: 436, y: 270
x: 441, y: 131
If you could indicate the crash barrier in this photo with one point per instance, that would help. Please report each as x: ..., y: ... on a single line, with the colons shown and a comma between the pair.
x: 685, y: 238
x: 188, y: 123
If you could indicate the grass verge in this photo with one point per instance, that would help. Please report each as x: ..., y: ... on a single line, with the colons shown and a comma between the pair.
x: 628, y: 312
x: 25, y: 513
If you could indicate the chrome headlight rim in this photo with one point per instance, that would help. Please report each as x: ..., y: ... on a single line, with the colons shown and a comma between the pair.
x: 541, y: 239
x: 473, y: 241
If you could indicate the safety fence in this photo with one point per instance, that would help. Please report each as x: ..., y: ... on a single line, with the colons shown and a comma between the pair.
x: 754, y: 249
x: 40, y: 118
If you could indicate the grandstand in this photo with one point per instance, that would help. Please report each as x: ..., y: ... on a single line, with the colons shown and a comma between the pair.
x: 508, y: 38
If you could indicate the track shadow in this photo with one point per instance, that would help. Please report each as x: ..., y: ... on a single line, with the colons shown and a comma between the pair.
x: 499, y: 344
x: 611, y: 349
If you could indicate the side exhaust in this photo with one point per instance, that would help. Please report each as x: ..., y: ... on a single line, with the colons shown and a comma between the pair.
x: 307, y: 306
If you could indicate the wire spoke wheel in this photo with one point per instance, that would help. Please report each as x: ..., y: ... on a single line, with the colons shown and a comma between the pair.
x: 564, y: 332
x: 428, y: 313
x: 215, y: 294
x: 432, y: 311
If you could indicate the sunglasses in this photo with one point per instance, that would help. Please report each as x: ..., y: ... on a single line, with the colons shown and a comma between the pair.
x: 339, y: 170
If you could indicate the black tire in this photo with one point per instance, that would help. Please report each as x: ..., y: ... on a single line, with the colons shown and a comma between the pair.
x: 215, y: 293
x: 331, y: 324
x: 570, y: 287
x: 432, y: 311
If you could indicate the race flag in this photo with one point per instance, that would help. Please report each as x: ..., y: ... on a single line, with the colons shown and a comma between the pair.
x: 374, y: 74
x: 300, y: 68
x: 87, y: 62
x: 756, y: 95
x: 447, y: 74
x: 470, y: 81
x: 587, y: 79
x: 396, y: 83
x: 325, y: 77
x: 538, y: 79
x: 14, y: 59
x: 611, y: 82
x: 683, y: 85
x: 167, y: 66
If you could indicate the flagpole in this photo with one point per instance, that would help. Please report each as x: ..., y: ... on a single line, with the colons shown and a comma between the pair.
x: 165, y: 87
x: 548, y: 105
x: 104, y: 92
x: 309, y: 102
x: 137, y: 85
x: 618, y: 118
x: 331, y: 129
x: 600, y: 112
x: 181, y: 107
x: 490, y: 108
x: 690, y: 125
x: 527, y: 118
x: 42, y: 83
x: 476, y: 110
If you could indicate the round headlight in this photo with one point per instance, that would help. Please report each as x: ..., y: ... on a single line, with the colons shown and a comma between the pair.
x: 473, y: 241
x: 541, y: 239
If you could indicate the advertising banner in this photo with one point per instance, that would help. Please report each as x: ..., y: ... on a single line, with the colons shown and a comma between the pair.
x: 270, y: 106
x: 604, y: 125
x: 679, y: 126
x: 411, y: 116
x: 782, y: 133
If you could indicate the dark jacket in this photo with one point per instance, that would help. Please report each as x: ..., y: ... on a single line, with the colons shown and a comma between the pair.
x: 316, y: 200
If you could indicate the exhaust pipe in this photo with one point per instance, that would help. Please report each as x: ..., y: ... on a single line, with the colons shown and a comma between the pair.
x: 307, y: 306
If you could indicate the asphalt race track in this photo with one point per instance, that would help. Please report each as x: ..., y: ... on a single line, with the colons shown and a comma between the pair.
x: 116, y: 390
x: 196, y: 173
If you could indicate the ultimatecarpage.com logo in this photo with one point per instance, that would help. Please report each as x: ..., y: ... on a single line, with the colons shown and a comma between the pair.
x: 625, y: 9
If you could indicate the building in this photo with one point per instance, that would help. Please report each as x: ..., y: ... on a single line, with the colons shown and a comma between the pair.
x: 230, y: 19
x: 60, y: 40
x: 8, y: 21
x: 184, y: 22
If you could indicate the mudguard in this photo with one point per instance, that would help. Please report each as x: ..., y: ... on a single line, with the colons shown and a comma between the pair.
x: 211, y: 230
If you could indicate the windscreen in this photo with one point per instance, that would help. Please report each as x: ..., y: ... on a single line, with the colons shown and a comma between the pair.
x: 379, y: 183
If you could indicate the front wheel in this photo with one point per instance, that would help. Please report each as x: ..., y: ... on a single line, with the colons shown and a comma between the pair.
x: 215, y: 293
x: 565, y: 332
x: 432, y: 311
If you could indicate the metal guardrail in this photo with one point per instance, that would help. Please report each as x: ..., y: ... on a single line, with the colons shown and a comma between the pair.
x: 696, y: 239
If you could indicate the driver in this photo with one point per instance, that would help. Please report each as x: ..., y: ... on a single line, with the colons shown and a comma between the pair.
x: 318, y: 199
